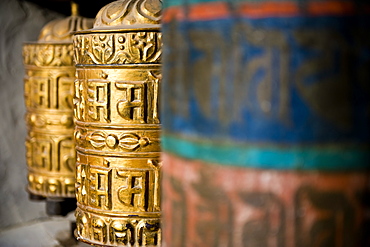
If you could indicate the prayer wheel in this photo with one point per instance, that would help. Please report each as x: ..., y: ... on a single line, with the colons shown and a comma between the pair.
x: 49, y: 78
x: 117, y: 126
x: 266, y: 115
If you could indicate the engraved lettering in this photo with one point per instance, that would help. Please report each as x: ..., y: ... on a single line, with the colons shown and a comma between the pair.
x: 122, y: 233
x: 66, y: 155
x: 79, y: 100
x: 149, y: 233
x: 132, y: 105
x: 41, y: 154
x: 98, y: 100
x: 41, y: 94
x: 99, y: 188
x: 133, y: 189
x: 331, y: 221
x: 267, y: 225
x: 326, y: 72
x: 99, y: 230
x: 64, y: 92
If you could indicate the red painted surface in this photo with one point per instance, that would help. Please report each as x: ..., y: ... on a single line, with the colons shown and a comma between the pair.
x: 211, y: 205
x: 218, y: 10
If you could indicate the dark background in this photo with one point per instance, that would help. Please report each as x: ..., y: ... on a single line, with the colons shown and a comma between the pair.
x: 88, y: 8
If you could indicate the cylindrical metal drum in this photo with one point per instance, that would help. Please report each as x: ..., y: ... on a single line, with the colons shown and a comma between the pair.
x: 49, y: 78
x: 117, y: 126
x: 266, y: 115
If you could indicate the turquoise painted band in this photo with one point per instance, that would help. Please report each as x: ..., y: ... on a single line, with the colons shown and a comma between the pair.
x: 283, y: 158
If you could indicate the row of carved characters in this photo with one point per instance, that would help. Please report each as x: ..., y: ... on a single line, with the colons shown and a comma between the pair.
x: 133, y: 187
x: 266, y: 73
x: 48, y: 54
x: 50, y: 153
x: 118, y: 231
x: 55, y: 186
x: 255, y: 217
x: 125, y: 48
x: 118, y: 140
x: 105, y: 101
x: 49, y: 88
x: 47, y: 121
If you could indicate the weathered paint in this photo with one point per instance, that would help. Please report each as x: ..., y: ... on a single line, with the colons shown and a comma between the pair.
x: 266, y: 115
x: 210, y: 9
x: 213, y: 205
x: 294, y: 82
x: 326, y: 157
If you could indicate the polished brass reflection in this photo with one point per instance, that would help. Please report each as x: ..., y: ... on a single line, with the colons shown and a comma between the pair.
x: 49, y: 78
x: 117, y: 126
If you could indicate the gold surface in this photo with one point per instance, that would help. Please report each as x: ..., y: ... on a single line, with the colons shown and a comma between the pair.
x: 49, y: 78
x: 117, y: 126
x: 49, y: 144
x: 60, y: 30
x: 129, y: 12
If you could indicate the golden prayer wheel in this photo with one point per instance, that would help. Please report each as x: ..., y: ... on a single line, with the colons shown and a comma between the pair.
x: 117, y: 126
x: 49, y: 78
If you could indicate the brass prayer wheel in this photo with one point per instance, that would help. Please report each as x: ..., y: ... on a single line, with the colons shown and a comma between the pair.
x: 117, y: 126
x: 49, y: 77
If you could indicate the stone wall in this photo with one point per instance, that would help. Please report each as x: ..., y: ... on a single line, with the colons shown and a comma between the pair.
x: 20, y: 21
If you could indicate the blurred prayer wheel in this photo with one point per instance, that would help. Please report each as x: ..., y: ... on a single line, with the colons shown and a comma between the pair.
x: 48, y: 89
x: 117, y: 126
x: 265, y: 123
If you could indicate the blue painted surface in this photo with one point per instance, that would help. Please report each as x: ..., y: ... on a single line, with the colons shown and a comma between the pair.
x: 334, y: 42
x: 271, y: 93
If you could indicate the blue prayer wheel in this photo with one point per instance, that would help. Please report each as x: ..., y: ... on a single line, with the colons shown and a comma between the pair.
x: 266, y: 115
